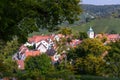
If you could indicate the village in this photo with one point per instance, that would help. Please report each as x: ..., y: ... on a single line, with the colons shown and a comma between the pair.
x: 59, y: 40
x: 46, y: 44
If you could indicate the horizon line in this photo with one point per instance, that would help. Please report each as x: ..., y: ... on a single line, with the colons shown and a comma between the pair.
x: 99, y: 4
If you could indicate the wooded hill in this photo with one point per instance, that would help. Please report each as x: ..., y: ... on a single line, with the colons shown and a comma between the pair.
x: 104, y: 19
x: 102, y: 10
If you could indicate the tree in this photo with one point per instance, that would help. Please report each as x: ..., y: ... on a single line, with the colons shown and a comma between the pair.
x: 36, y: 67
x: 87, y: 57
x: 40, y: 68
x: 112, y: 32
x: 93, y: 46
x: 21, y: 17
x: 61, y: 45
x: 88, y: 46
x: 113, y: 60
x: 82, y: 35
x: 2, y: 66
x: 8, y: 67
x: 90, y: 65
x: 65, y: 31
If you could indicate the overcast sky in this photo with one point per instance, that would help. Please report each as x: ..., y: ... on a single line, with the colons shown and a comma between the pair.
x: 100, y: 2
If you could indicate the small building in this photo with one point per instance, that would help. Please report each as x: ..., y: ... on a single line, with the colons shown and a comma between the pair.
x: 113, y: 37
x: 90, y: 33
x: 42, y: 46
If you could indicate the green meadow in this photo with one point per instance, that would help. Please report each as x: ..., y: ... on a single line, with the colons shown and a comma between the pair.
x: 103, y: 25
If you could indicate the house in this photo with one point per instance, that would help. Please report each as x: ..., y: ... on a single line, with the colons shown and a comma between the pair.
x: 55, y: 58
x: 21, y: 64
x: 113, y: 37
x: 51, y: 51
x: 100, y: 36
x: 38, y: 38
x: 20, y: 55
x: 109, y: 37
x: 75, y: 42
x: 32, y: 53
x: 29, y: 44
x: 42, y: 43
x: 58, y: 37
x: 42, y: 46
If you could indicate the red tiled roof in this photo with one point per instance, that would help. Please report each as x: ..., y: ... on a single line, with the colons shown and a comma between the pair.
x: 37, y: 38
x: 23, y: 49
x: 60, y: 35
x: 28, y: 53
x: 52, y: 58
x: 99, y: 36
x: 22, y: 46
x: 20, y: 64
x: 32, y: 53
x: 74, y: 43
x: 113, y: 36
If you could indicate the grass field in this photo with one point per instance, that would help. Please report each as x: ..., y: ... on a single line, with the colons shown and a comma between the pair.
x: 100, y: 25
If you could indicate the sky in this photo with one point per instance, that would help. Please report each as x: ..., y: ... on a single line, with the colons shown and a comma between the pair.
x: 100, y: 2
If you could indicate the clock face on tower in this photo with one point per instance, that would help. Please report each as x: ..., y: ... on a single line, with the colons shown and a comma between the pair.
x: 91, y: 33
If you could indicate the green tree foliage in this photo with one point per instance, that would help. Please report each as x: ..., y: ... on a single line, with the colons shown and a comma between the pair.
x: 40, y: 63
x: 113, y: 60
x: 88, y: 46
x: 93, y: 46
x: 65, y: 31
x: 40, y: 68
x: 87, y: 57
x: 8, y: 66
x: 2, y: 66
x: 21, y: 17
x: 82, y: 35
x: 36, y: 67
x: 90, y: 65
x: 61, y: 45
x: 112, y: 32
x: 10, y: 48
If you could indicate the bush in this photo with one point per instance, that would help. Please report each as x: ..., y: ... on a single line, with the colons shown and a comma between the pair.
x: 89, y: 77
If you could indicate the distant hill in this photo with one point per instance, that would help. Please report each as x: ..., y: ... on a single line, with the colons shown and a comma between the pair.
x: 105, y: 25
x: 91, y: 12
x: 102, y: 18
x: 102, y: 10
x: 102, y: 25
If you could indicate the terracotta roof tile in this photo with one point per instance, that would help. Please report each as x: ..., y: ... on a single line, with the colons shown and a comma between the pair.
x: 20, y: 64
x: 32, y: 53
x: 113, y: 36
x: 38, y: 38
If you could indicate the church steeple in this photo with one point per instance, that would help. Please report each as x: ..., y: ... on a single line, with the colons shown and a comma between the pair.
x: 90, y: 33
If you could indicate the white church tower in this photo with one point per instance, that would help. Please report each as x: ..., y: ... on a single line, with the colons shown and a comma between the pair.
x: 90, y: 33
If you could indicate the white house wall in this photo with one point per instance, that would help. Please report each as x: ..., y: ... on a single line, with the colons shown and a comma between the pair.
x: 42, y: 49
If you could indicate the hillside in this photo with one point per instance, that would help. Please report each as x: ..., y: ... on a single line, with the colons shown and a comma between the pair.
x: 105, y: 25
x: 103, y: 10
x: 100, y: 25
x: 102, y: 18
